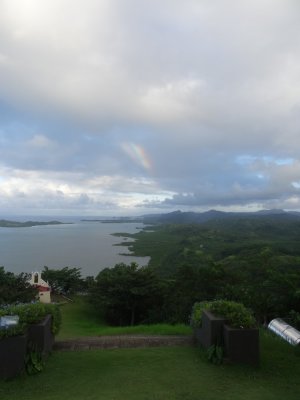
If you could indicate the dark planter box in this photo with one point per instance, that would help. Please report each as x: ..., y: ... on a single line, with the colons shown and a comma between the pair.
x: 12, y: 356
x: 40, y: 336
x: 211, y: 331
x: 241, y: 345
x: 197, y: 335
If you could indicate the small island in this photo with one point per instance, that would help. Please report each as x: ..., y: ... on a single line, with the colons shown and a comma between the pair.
x: 15, y: 224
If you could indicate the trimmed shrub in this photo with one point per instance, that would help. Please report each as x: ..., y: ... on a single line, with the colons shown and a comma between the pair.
x: 30, y: 314
x: 237, y: 315
x: 196, y: 316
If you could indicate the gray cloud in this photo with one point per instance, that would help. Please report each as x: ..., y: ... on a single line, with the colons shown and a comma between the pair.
x: 118, y: 105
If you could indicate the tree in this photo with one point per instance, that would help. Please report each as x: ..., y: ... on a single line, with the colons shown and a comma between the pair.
x: 15, y: 288
x: 127, y: 294
x: 269, y: 285
x: 66, y: 280
x: 192, y: 284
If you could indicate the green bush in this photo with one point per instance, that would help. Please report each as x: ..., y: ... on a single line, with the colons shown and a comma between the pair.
x: 12, y: 331
x: 196, y: 317
x: 55, y: 311
x: 30, y: 314
x: 237, y: 315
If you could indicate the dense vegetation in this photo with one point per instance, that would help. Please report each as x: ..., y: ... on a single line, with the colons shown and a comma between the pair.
x: 15, y: 288
x: 254, y: 260
x: 127, y: 294
x: 221, y: 240
x: 66, y: 280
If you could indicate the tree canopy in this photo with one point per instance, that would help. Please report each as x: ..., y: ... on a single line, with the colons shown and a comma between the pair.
x: 66, y: 280
x: 127, y: 294
x: 15, y: 288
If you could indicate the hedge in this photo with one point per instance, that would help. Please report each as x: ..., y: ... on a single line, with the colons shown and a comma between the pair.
x: 237, y: 315
x: 30, y: 314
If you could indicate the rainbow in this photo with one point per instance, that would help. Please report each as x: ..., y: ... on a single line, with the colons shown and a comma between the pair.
x: 138, y: 155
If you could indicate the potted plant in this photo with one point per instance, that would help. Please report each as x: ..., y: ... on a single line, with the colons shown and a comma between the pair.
x: 33, y: 336
x: 208, y: 328
x: 43, y: 322
x: 231, y: 325
x: 240, y: 334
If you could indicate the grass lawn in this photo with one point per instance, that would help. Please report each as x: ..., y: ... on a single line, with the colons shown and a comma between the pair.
x: 181, y: 373
x: 79, y: 319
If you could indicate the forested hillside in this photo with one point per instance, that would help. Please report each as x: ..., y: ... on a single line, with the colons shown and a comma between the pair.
x: 227, y: 240
x: 254, y: 260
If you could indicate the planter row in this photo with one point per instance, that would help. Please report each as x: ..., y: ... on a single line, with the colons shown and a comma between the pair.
x: 240, y: 345
x: 39, y: 337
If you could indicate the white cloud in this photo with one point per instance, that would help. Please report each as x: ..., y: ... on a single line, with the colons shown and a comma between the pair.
x: 149, y: 100
x: 69, y: 192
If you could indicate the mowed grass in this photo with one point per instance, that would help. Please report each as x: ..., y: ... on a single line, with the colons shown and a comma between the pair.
x: 80, y: 319
x: 181, y: 373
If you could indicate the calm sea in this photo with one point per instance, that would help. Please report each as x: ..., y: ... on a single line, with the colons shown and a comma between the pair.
x: 88, y: 245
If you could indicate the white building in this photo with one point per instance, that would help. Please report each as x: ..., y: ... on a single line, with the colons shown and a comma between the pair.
x: 43, y: 287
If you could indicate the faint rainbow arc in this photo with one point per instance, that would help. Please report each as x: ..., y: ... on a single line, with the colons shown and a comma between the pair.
x: 138, y: 154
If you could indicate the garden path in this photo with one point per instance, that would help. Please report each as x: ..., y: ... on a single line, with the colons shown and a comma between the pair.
x: 122, y: 341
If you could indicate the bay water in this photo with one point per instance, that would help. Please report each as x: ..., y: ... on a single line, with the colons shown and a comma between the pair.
x: 85, y: 244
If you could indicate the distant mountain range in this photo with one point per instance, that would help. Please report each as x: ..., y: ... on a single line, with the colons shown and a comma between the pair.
x: 180, y: 217
x: 176, y: 217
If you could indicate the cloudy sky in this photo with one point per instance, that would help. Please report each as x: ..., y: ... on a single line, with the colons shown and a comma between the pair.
x: 124, y: 107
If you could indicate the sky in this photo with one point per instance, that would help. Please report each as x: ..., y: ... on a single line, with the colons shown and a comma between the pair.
x: 132, y: 107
